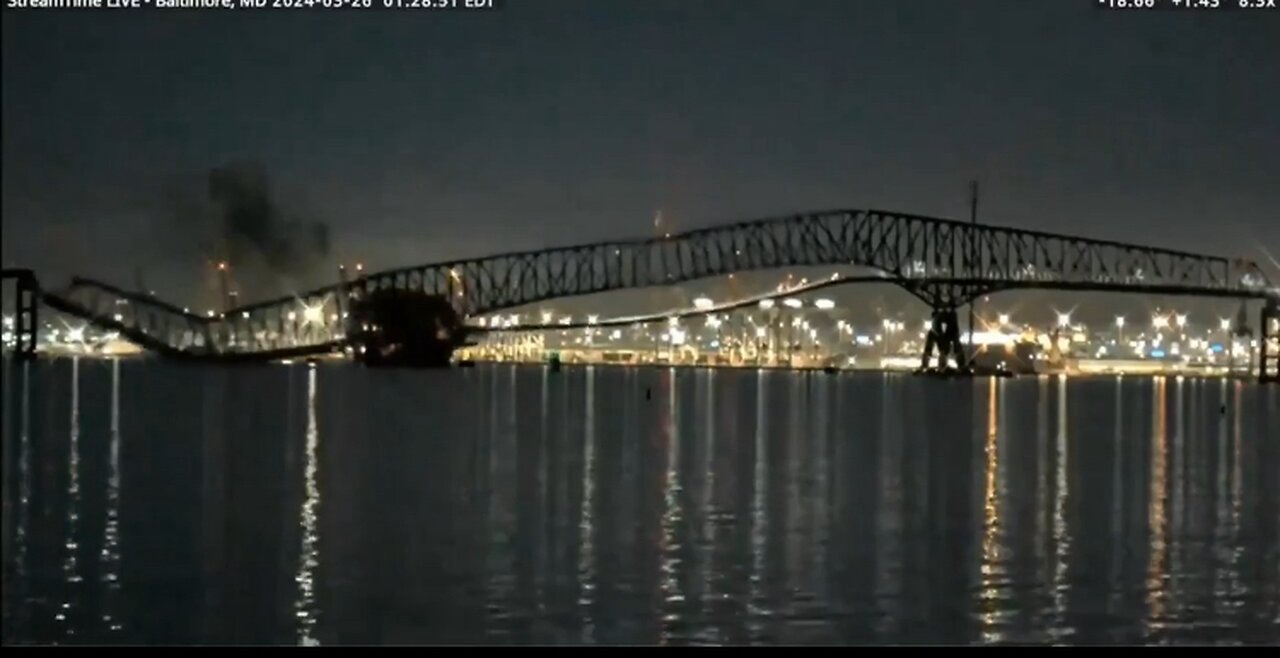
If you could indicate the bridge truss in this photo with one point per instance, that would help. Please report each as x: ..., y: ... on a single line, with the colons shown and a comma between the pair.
x: 945, y: 263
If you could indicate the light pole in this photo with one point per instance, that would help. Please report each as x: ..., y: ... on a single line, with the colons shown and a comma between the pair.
x: 1120, y: 330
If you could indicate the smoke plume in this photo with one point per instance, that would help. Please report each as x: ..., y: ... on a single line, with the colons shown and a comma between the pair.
x: 271, y: 251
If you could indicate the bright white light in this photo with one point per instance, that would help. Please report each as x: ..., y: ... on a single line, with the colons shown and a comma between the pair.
x: 1120, y: 321
x: 514, y: 318
x: 825, y: 304
x: 928, y: 324
x: 673, y: 322
x: 617, y: 333
x: 792, y: 302
x: 546, y: 317
x: 703, y: 303
x: 1003, y: 318
x: 677, y: 337
x: 766, y: 304
x: 75, y: 335
x: 209, y: 313
x: 1160, y: 321
x: 991, y: 338
x: 1064, y: 319
x: 886, y: 323
x: 592, y: 319
x: 713, y: 322
x: 292, y: 316
x: 1182, y: 319
x: 566, y: 319
x: 480, y: 322
x: 117, y: 317
x: 759, y: 332
x: 8, y: 322
x: 313, y: 314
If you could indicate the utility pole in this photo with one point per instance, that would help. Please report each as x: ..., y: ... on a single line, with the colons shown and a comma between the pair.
x: 973, y: 241
x: 225, y: 286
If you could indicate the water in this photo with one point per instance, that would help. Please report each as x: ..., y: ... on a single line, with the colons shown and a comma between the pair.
x: 152, y: 503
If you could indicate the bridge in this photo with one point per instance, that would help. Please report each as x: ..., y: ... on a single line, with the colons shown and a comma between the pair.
x: 945, y: 263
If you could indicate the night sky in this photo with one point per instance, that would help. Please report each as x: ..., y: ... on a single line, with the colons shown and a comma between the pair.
x: 423, y: 137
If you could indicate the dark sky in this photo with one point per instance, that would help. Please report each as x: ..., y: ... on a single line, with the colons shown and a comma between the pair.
x: 422, y: 137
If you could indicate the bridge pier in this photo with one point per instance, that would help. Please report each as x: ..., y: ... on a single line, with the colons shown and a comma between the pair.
x: 944, y: 334
x: 1269, y: 344
x: 945, y: 331
x: 26, y: 312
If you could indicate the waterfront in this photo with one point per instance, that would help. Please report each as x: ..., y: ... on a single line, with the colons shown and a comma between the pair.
x: 153, y: 503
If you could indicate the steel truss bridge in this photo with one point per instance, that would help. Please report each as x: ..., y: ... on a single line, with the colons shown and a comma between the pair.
x: 945, y: 263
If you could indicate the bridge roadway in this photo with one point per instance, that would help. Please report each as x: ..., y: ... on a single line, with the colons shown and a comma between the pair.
x: 945, y: 263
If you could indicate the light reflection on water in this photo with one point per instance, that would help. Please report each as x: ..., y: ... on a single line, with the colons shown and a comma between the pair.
x: 310, y: 554
x: 151, y: 503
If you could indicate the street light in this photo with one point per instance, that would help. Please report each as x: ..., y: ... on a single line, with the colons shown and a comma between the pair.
x: 1120, y: 322
x: 1064, y: 319
x: 1224, y: 324
x: 1181, y: 320
x: 1003, y: 318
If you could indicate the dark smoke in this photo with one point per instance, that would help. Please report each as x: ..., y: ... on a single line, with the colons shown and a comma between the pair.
x: 271, y: 252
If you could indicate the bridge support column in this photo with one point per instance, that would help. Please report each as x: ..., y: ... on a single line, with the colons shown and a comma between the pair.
x: 944, y: 334
x: 26, y: 316
x: 1269, y: 344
